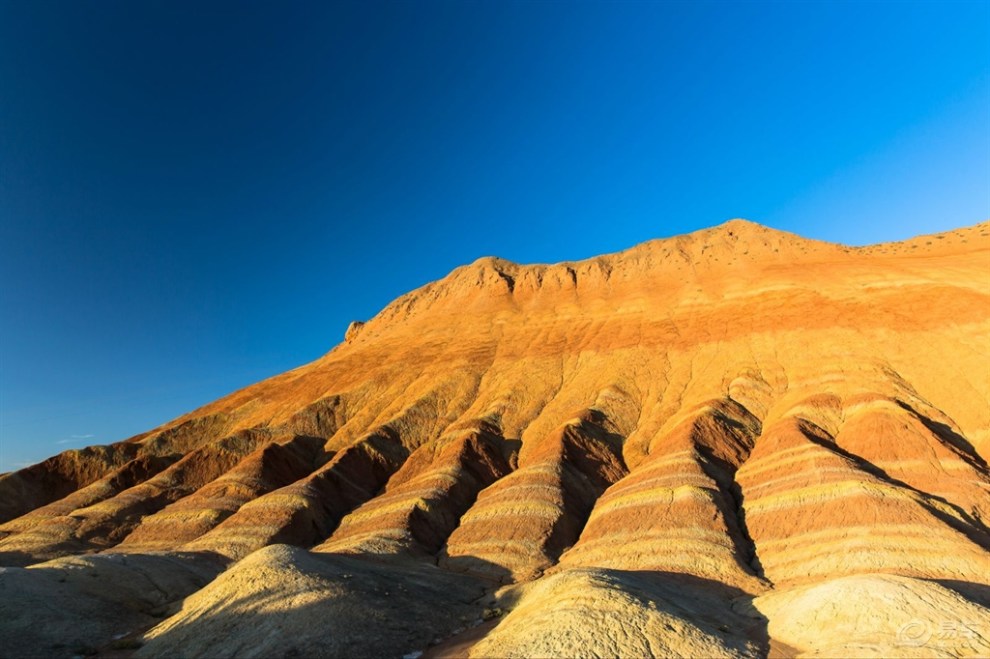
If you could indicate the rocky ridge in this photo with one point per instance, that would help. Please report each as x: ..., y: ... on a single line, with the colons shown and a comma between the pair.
x: 736, y: 442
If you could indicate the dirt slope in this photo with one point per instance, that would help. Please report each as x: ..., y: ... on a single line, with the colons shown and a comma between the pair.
x: 692, y: 444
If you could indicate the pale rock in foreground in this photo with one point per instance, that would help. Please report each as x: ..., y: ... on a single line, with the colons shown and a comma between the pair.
x: 285, y: 601
x: 605, y: 613
x: 877, y: 615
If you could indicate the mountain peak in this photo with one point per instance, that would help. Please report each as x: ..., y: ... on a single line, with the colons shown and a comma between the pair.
x: 685, y: 422
x: 742, y: 224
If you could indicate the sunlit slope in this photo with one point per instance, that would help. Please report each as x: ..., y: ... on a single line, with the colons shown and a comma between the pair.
x: 885, y: 346
x: 742, y: 409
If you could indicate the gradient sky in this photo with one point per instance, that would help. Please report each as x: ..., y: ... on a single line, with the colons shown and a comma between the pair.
x: 194, y: 196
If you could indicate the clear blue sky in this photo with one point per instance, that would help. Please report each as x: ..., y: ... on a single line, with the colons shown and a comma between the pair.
x: 196, y: 195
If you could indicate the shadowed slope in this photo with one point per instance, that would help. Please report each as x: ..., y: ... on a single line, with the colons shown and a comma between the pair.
x: 424, y: 501
x: 282, y: 601
x: 524, y: 521
x: 679, y: 510
x: 59, y: 476
x: 71, y: 606
x: 106, y: 522
x: 814, y: 512
x: 275, y: 465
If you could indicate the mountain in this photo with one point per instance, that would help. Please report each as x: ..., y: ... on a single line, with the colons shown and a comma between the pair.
x: 737, y: 442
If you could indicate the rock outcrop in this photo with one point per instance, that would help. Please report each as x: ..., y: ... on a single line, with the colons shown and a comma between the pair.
x: 737, y: 442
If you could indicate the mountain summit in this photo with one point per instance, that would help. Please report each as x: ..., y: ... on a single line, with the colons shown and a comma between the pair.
x: 729, y: 443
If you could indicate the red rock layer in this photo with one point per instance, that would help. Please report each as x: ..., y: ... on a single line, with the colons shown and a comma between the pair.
x: 679, y: 510
x: 59, y: 476
x: 815, y: 512
x: 426, y: 498
x: 306, y: 511
x: 107, y: 522
x: 273, y: 466
x: 522, y: 523
x: 868, y: 367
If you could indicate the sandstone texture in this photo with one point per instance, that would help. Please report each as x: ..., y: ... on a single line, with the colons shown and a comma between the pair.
x: 737, y: 442
x: 285, y: 601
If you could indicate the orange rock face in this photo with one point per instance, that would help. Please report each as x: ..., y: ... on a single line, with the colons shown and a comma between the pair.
x: 742, y: 411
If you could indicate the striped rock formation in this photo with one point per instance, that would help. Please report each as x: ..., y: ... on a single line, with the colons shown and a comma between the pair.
x: 737, y: 442
x: 520, y: 525
x: 679, y: 511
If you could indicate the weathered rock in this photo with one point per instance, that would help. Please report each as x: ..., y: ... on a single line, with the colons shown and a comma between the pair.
x: 814, y: 513
x: 275, y: 465
x: 605, y: 613
x: 758, y: 415
x: 424, y: 501
x: 679, y: 511
x: 74, y: 606
x: 283, y: 601
x: 874, y: 615
x: 521, y: 524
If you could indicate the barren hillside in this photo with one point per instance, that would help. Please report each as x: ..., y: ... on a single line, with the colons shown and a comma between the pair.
x: 737, y: 442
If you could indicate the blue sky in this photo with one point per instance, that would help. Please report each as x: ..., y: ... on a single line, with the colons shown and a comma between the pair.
x: 194, y: 196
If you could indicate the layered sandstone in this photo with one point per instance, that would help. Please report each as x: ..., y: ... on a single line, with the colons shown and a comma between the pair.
x: 683, y: 448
